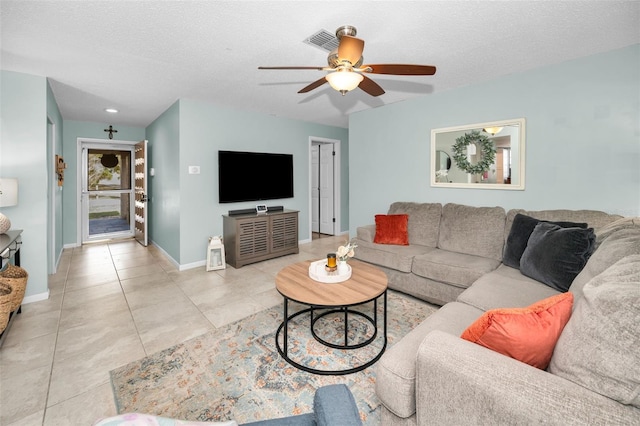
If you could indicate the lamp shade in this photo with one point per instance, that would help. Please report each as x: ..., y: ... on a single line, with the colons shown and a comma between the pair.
x: 8, y: 192
x: 344, y: 81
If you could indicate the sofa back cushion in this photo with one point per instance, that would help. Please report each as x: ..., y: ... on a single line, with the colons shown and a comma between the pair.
x: 598, y: 348
x: 424, y: 221
x: 593, y: 218
x: 613, y: 242
x: 472, y: 230
x: 521, y: 229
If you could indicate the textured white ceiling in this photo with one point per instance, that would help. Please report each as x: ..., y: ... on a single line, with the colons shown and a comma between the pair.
x: 141, y: 56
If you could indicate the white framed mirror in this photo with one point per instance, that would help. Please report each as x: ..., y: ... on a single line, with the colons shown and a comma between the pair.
x: 487, y: 155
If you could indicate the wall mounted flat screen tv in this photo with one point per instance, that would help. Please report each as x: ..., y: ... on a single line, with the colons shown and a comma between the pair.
x: 254, y: 176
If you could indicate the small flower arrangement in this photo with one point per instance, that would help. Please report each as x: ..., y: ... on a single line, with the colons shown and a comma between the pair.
x: 345, y: 252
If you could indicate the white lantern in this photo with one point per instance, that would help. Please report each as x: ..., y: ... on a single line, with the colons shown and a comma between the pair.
x: 215, y: 254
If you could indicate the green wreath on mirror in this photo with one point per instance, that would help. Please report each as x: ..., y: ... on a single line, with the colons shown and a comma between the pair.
x: 487, y: 148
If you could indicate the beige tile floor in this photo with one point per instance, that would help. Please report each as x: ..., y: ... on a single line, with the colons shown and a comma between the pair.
x: 113, y: 303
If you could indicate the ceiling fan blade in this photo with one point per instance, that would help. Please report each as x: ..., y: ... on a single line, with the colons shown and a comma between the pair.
x: 350, y: 48
x: 313, y: 85
x: 401, y: 69
x: 291, y: 68
x: 371, y: 87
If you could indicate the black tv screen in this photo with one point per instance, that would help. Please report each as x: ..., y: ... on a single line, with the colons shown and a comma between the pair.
x: 254, y: 176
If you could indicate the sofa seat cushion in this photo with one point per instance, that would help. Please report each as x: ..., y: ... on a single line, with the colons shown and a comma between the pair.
x: 472, y: 230
x: 598, y: 348
x: 396, y: 369
x: 505, y: 287
x: 390, y: 256
x: 457, y: 269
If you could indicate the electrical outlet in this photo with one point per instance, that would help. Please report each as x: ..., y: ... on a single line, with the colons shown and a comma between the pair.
x: 194, y: 170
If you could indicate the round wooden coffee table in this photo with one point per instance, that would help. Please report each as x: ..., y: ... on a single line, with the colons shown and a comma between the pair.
x: 366, y: 284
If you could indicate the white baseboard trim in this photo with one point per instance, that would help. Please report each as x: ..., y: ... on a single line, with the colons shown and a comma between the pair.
x: 178, y: 266
x: 35, y: 297
x: 193, y: 265
x: 167, y: 255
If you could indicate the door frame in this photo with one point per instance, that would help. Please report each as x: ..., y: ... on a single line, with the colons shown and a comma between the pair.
x: 52, y: 183
x: 336, y: 182
x: 80, y: 142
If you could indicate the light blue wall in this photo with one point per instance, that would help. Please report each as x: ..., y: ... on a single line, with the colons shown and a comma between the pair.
x: 183, y: 208
x: 582, y: 140
x: 206, y: 128
x: 70, y: 196
x: 54, y: 146
x: 163, y: 152
x: 23, y: 155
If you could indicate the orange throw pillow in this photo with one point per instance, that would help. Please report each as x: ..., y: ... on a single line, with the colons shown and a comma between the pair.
x: 526, y: 334
x: 392, y: 229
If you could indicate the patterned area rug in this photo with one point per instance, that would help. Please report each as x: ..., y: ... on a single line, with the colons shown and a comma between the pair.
x: 235, y: 372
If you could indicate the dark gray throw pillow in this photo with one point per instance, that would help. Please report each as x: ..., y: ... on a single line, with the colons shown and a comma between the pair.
x: 555, y: 255
x: 519, y: 234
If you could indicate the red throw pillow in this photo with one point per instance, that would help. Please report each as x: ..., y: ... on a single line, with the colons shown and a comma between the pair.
x: 392, y: 229
x: 526, y: 334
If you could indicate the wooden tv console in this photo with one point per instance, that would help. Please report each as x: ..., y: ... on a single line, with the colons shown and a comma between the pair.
x: 252, y: 237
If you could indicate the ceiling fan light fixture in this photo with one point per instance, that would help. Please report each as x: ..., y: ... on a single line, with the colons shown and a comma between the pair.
x: 493, y: 130
x: 344, y: 81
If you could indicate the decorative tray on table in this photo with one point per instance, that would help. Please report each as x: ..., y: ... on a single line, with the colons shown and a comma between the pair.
x: 318, y: 271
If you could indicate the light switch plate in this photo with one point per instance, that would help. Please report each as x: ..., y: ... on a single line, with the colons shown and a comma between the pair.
x: 194, y: 170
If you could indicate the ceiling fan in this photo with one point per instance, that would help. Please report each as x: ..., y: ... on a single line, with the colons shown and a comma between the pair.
x: 346, y: 71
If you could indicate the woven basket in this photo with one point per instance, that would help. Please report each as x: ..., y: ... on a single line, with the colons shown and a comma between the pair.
x: 6, y: 297
x: 17, y: 277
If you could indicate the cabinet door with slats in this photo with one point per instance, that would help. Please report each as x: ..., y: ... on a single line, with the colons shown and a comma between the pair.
x: 253, y: 238
x: 284, y: 232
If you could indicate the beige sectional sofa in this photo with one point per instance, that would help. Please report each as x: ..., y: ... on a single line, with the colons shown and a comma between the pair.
x: 454, y: 259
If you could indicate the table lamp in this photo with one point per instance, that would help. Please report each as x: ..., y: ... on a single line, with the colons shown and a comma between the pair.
x: 8, y: 198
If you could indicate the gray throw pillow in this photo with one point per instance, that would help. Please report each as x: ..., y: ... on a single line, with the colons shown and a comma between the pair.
x: 555, y: 255
x: 598, y: 348
x: 519, y: 234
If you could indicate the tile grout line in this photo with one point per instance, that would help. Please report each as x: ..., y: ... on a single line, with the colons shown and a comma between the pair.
x: 124, y: 294
x: 55, y: 344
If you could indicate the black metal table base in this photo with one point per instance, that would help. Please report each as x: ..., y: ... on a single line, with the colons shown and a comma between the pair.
x: 283, y: 329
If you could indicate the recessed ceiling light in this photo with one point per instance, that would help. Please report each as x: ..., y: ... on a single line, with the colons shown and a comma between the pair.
x: 111, y: 110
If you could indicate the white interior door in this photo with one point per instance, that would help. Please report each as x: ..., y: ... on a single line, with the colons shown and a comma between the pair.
x: 325, y: 179
x: 140, y: 179
x: 315, y: 188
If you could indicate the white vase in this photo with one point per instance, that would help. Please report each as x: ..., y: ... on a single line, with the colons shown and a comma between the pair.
x: 342, y: 267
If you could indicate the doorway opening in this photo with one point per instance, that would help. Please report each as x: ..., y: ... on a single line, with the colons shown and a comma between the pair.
x: 108, y: 184
x: 108, y: 193
x: 324, y: 169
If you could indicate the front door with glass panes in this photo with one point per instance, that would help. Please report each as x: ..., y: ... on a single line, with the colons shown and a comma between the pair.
x: 107, y: 192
